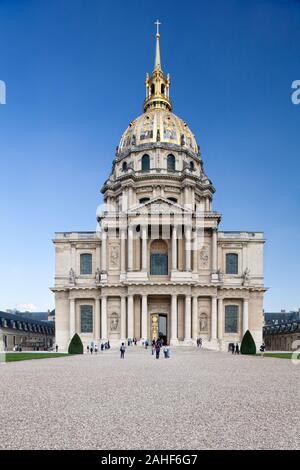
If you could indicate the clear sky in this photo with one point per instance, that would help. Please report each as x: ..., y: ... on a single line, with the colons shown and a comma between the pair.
x: 74, y: 72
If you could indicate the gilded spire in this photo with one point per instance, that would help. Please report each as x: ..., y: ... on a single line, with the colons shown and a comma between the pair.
x: 158, y: 85
x: 157, y: 51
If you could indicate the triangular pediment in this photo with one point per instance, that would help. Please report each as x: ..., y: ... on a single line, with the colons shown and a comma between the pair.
x: 159, y: 205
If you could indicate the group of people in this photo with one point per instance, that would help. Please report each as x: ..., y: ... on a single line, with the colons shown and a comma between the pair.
x: 93, y: 347
x: 131, y: 341
x: 234, y: 348
x: 156, y: 347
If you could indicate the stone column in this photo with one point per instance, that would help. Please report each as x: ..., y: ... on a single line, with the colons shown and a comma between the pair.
x: 130, y: 316
x: 130, y: 196
x: 72, y: 323
x: 220, y: 318
x: 187, y: 231
x: 174, y: 248
x: 123, y: 251
x: 195, y: 252
x: 174, y: 334
x: 144, y: 317
x: 214, y: 250
x: 97, y: 320
x: 214, y: 318
x: 130, y: 249
x: 207, y: 204
x: 195, y: 317
x: 245, y: 315
x: 104, y: 318
x: 144, y: 247
x: 123, y: 317
x: 98, y: 260
x: 187, y: 318
x: 103, y: 250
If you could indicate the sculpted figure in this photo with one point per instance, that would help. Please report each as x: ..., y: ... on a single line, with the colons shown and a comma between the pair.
x: 72, y: 276
x: 98, y: 275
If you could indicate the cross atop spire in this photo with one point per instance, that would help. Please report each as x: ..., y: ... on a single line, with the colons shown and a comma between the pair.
x: 157, y: 52
x: 157, y: 27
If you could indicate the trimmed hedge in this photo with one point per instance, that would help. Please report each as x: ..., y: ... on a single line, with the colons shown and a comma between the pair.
x: 75, y: 346
x: 248, y: 345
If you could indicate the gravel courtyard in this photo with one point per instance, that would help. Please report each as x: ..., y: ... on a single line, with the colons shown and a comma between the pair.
x: 194, y: 400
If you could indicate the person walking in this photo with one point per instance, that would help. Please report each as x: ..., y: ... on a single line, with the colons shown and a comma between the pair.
x: 96, y: 348
x: 146, y: 344
x: 56, y: 348
x: 157, y: 350
x: 232, y: 348
x: 262, y: 349
x: 122, y: 351
x: 237, y: 348
x: 87, y: 349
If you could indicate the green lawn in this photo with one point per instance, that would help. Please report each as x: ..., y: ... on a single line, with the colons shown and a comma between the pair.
x: 287, y: 355
x: 25, y: 356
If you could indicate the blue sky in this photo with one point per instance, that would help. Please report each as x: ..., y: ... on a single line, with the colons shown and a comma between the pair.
x: 75, y: 71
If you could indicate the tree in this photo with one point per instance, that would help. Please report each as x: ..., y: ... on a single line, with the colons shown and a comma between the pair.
x: 248, y: 345
x: 75, y: 346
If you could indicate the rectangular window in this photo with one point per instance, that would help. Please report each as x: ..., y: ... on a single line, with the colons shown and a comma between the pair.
x: 231, y: 319
x: 159, y: 264
x: 86, y: 319
x: 86, y: 263
x: 232, y: 263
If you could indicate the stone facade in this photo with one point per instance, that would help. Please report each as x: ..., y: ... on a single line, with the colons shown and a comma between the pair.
x: 158, y: 260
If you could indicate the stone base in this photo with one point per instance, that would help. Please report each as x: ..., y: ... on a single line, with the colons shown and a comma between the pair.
x: 181, y: 276
x: 137, y: 276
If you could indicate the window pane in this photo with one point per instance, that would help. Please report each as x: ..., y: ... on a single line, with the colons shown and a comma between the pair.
x: 231, y: 319
x: 159, y: 264
x: 86, y: 264
x: 171, y: 163
x: 86, y: 318
x: 146, y: 163
x: 231, y: 263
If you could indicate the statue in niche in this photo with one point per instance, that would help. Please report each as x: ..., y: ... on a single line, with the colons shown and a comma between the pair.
x: 114, y: 256
x: 204, y: 257
x: 203, y: 322
x: 98, y: 275
x: 72, y: 276
x: 114, y: 322
x: 133, y: 140
x: 182, y: 140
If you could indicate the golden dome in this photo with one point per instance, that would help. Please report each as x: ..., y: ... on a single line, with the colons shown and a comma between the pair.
x: 158, y: 125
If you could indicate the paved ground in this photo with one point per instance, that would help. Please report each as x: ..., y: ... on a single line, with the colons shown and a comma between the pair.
x: 194, y: 400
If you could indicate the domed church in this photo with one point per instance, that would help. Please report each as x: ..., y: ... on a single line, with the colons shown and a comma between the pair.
x: 158, y: 266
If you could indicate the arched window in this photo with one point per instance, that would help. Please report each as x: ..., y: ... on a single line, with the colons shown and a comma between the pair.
x: 152, y: 89
x: 86, y: 318
x: 232, y: 263
x: 231, y: 318
x: 192, y: 166
x: 159, y: 258
x: 86, y: 263
x: 171, y: 162
x: 124, y: 166
x: 145, y: 162
x: 162, y: 89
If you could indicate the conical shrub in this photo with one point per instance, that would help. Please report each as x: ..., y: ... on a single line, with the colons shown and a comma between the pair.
x: 75, y: 346
x: 248, y: 345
